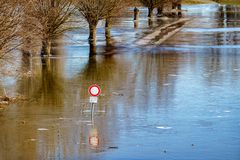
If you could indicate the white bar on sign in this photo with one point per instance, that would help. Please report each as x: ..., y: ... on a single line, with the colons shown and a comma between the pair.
x: 93, y: 99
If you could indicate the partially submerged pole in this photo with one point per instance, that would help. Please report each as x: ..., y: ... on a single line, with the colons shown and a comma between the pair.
x: 136, y: 14
x: 92, y: 112
x: 136, y: 17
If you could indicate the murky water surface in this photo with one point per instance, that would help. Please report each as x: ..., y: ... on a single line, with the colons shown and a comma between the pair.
x: 180, y: 100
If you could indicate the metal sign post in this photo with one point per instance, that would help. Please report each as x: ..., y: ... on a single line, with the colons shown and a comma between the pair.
x: 94, y: 91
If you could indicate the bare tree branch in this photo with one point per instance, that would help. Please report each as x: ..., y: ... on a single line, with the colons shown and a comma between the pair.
x: 10, y: 20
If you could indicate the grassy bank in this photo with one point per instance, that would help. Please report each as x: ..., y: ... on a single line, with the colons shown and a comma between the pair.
x: 198, y: 2
x: 233, y: 2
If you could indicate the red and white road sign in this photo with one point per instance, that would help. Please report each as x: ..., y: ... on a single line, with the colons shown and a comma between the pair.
x: 94, y: 90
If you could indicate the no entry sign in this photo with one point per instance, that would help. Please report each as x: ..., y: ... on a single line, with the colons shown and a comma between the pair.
x: 94, y: 90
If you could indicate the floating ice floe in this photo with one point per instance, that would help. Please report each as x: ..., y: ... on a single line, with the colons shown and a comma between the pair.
x: 117, y: 94
x: 163, y: 127
x: 206, y: 75
x: 227, y: 111
x: 42, y: 129
x: 173, y: 75
x: 62, y: 118
x: 101, y: 111
x: 86, y: 111
x: 81, y: 121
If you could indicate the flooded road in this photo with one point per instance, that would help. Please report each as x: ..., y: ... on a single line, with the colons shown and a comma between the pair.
x: 179, y: 100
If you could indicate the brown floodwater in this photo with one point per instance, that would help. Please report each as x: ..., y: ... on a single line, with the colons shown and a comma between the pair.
x: 178, y: 100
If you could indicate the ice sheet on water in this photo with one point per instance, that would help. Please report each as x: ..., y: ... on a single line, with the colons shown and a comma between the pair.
x: 208, y: 46
x: 211, y: 30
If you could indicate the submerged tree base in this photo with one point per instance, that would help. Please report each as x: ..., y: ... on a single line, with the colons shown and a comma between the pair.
x: 5, y: 100
x: 92, y: 49
x: 46, y: 48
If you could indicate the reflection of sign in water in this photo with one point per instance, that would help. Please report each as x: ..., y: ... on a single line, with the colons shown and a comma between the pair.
x: 94, y: 137
x: 94, y: 141
x: 94, y: 90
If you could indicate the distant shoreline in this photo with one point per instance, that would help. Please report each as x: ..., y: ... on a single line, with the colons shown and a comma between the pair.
x: 233, y: 2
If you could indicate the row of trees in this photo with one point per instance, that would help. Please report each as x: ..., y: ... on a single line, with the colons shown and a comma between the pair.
x: 10, y: 20
x: 37, y: 23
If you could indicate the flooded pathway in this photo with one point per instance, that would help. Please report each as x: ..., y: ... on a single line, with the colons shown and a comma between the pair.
x: 179, y: 100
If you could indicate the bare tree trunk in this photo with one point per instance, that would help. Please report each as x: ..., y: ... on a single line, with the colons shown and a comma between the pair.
x: 26, y: 44
x: 92, y: 39
x: 136, y: 17
x: 46, y: 47
x: 136, y: 14
x: 108, y: 31
x: 160, y: 11
x: 174, y: 7
x: 179, y: 7
x: 150, y: 12
x: 52, y: 3
x: 150, y: 22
